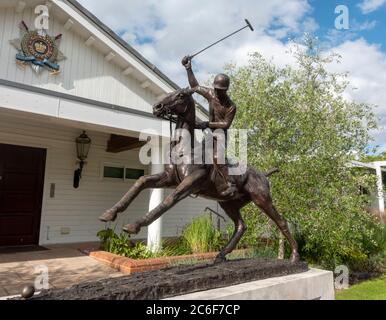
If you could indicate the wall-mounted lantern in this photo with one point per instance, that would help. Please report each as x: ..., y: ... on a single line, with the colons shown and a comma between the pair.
x: 83, y: 143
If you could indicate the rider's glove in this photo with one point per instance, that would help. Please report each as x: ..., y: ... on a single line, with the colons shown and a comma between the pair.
x: 187, y: 62
x: 203, y: 125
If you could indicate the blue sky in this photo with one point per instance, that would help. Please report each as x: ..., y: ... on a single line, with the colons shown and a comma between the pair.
x: 375, y: 20
x: 166, y: 30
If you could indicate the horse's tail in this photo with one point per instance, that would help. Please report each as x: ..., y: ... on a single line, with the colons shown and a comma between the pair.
x: 271, y: 172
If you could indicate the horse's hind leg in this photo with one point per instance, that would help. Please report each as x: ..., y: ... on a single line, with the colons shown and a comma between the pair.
x: 269, y: 209
x: 282, y: 224
x: 232, y: 209
x: 258, y: 189
x: 160, y: 180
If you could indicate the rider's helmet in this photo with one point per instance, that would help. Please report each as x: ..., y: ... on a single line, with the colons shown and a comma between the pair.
x: 221, y: 82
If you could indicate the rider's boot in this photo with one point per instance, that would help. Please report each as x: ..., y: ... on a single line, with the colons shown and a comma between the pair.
x: 229, y: 191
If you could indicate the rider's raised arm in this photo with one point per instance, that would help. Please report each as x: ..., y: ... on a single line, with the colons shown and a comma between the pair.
x: 192, y: 78
x: 187, y: 63
x: 205, y: 92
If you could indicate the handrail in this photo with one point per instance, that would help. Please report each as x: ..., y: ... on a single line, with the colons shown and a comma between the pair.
x: 216, y: 213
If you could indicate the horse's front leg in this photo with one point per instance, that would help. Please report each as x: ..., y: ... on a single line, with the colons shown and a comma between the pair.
x: 160, y: 180
x: 184, y: 189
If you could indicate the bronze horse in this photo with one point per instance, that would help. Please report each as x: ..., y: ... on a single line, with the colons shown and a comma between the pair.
x: 198, y: 179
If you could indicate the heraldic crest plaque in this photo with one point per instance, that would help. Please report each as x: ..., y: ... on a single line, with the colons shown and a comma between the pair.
x: 38, y: 49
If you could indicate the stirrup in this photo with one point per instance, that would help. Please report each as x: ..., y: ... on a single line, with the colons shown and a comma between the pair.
x: 230, y: 191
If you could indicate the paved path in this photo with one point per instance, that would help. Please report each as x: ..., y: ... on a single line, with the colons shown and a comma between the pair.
x: 66, y: 267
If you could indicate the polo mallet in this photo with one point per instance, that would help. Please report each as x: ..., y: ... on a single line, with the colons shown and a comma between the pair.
x: 222, y: 39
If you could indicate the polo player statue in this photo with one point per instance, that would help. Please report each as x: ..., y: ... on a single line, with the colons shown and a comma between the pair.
x: 211, y: 181
x: 222, y: 111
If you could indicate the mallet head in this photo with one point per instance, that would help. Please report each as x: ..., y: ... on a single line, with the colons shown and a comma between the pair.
x: 249, y: 25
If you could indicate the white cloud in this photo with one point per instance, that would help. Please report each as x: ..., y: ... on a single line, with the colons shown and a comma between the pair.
x: 364, y: 26
x: 335, y: 37
x: 366, y: 64
x: 368, y: 6
x: 174, y: 29
x: 165, y: 31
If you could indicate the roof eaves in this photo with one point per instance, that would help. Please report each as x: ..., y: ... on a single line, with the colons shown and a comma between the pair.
x: 126, y: 46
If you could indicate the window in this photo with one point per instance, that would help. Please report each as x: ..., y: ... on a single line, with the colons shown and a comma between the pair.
x: 123, y: 173
x: 134, y: 174
x: 113, y: 172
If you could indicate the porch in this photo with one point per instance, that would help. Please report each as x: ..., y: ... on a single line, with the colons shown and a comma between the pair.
x: 68, y: 214
x: 379, y: 168
x: 66, y: 265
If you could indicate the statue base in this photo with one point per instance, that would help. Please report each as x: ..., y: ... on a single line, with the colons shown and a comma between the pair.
x: 312, y: 285
x: 177, y: 281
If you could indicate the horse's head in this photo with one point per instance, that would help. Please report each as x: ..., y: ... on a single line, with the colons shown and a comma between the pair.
x: 176, y: 103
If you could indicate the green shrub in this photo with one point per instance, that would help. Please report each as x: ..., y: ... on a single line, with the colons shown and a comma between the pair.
x: 200, y: 236
x: 378, y: 263
x: 171, y: 248
x: 362, y: 240
x: 380, y: 237
x: 187, y: 262
x: 268, y: 252
x: 377, y: 260
x: 120, y: 244
x: 258, y: 228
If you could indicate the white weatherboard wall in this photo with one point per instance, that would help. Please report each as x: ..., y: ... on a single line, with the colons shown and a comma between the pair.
x: 85, y: 73
x: 79, y: 209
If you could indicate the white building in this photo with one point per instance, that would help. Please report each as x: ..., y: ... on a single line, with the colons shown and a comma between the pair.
x: 377, y: 198
x: 104, y: 87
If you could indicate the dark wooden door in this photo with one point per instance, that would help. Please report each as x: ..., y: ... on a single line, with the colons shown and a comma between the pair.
x: 21, y: 191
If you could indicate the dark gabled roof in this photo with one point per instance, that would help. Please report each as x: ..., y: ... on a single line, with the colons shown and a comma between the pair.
x: 128, y: 47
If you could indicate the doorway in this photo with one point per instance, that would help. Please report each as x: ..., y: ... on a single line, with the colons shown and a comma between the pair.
x: 21, y: 194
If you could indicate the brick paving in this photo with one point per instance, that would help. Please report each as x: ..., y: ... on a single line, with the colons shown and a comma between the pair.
x: 67, y: 266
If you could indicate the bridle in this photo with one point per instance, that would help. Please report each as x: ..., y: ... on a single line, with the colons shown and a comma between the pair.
x: 174, y: 118
x: 178, y: 119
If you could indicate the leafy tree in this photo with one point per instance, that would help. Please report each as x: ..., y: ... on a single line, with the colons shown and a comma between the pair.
x: 299, y: 122
x: 374, y: 158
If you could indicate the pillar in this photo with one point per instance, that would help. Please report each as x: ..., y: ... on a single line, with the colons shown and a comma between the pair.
x: 154, y: 232
x: 381, y: 197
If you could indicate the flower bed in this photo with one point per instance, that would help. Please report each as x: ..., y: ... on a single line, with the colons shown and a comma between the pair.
x: 129, y: 266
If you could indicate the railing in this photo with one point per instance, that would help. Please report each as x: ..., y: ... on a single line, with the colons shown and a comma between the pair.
x: 219, y: 217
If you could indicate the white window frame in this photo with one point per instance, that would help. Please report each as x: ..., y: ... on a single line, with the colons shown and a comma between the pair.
x: 120, y: 166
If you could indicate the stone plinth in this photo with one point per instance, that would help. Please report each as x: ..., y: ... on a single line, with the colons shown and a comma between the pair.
x: 177, y: 281
x: 312, y: 285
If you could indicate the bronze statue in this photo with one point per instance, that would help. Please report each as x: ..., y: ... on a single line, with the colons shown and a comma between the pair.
x: 200, y: 179
x: 222, y: 111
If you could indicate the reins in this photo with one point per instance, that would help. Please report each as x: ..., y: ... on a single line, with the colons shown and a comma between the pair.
x: 174, y: 119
